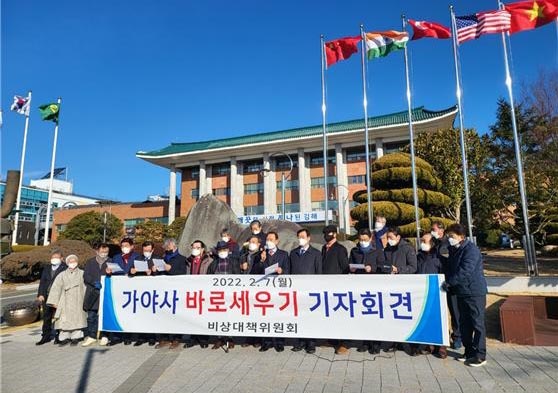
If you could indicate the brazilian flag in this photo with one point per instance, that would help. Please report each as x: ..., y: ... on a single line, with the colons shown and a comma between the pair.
x: 49, y: 112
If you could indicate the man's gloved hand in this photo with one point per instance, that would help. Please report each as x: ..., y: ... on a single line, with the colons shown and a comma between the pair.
x: 445, y: 286
x: 97, y: 285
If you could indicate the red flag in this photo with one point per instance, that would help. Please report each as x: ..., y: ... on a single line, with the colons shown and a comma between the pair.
x: 422, y: 29
x: 527, y: 15
x: 341, y: 49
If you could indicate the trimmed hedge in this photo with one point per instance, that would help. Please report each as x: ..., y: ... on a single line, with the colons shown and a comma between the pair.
x: 392, y: 211
x: 399, y: 160
x: 426, y: 198
x: 402, y: 177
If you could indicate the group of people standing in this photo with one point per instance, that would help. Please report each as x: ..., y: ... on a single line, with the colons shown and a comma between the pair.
x: 70, y: 296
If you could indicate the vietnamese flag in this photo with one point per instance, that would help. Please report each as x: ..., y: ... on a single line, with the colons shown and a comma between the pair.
x: 341, y: 49
x: 423, y: 29
x: 528, y: 15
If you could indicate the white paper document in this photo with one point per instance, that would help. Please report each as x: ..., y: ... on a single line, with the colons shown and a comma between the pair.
x: 271, y: 269
x: 141, y: 266
x: 115, y: 267
x: 159, y: 264
x: 357, y: 266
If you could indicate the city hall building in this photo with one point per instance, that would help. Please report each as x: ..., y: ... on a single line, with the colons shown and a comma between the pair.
x: 246, y: 171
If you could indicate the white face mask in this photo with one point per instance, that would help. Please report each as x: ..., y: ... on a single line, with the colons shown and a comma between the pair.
x: 223, y: 254
x: 364, y: 244
x: 256, y: 232
x: 270, y: 245
x: 196, y: 252
x: 147, y: 254
x: 425, y: 247
x: 302, y: 242
x: 253, y: 246
x: 435, y: 235
x: 126, y: 250
x: 392, y: 242
x: 378, y: 226
x: 225, y: 239
x: 72, y: 265
x: 55, y: 261
x: 453, y: 242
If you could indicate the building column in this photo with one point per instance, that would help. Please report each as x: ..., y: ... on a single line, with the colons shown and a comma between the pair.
x: 270, y: 186
x: 208, y: 183
x: 379, y: 148
x: 172, y: 194
x: 237, y: 188
x: 202, y: 181
x: 342, y: 189
x: 304, y: 187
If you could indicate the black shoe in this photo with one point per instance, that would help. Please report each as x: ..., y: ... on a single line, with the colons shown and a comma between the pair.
x: 113, y: 343
x: 363, y: 348
x: 64, y: 342
x: 279, y: 347
x: 138, y: 343
x: 56, y: 341
x: 152, y: 343
x: 374, y: 350
x: 311, y: 350
x: 296, y: 348
x: 74, y: 343
x: 265, y: 347
x: 127, y: 342
x: 43, y: 340
x: 204, y: 345
x: 189, y: 344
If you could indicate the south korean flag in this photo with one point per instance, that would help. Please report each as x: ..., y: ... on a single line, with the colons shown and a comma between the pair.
x: 21, y: 105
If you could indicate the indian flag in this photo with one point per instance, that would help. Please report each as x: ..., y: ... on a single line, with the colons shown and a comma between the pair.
x: 382, y: 43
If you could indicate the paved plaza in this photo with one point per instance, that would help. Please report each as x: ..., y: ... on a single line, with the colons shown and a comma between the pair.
x: 27, y: 368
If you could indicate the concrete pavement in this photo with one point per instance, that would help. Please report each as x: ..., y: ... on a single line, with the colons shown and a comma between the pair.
x: 124, y: 369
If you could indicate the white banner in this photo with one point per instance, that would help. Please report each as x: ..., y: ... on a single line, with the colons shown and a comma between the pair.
x: 401, y: 308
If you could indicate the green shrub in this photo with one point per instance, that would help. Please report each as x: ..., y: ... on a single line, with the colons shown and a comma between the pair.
x: 552, y: 239
x: 399, y: 160
x: 24, y: 247
x: 426, y: 198
x: 492, y: 238
x: 402, y: 178
x: 394, y: 212
x: 551, y: 227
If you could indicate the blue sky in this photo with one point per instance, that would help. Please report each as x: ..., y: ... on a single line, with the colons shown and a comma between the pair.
x: 137, y: 75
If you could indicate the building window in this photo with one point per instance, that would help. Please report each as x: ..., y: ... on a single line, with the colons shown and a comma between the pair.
x: 195, y: 193
x: 221, y: 191
x: 251, y: 210
x: 358, y: 179
x: 132, y: 222
x: 252, y: 166
x: 318, y: 182
x: 320, y: 205
x: 221, y: 169
x: 394, y: 147
x: 284, y: 164
x: 289, y: 208
x: 192, y: 173
x: 354, y: 155
x: 253, y: 188
x: 317, y: 159
x: 164, y: 220
x: 289, y: 184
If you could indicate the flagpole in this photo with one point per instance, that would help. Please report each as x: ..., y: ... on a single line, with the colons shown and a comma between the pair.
x: 22, y: 164
x: 530, y: 256
x: 367, y: 141
x: 49, y: 203
x: 324, y: 130
x: 411, y: 135
x: 464, y: 163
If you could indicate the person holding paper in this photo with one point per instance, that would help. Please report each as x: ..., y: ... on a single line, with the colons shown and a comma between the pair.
x: 95, y: 268
x: 305, y: 259
x: 273, y: 256
x: 124, y: 261
x: 335, y: 260
x: 142, y: 266
x: 365, y: 258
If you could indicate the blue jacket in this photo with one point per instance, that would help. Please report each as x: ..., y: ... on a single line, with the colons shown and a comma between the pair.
x: 126, y: 267
x: 466, y: 275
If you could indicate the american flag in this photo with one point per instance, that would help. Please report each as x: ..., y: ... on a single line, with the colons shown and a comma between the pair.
x: 470, y: 27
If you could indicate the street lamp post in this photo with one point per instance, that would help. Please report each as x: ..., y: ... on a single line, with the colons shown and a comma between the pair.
x: 283, y: 178
x: 343, y: 204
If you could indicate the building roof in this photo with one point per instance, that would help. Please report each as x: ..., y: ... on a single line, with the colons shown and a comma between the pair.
x: 399, y: 118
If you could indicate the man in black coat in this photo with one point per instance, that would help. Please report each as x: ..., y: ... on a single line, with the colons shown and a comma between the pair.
x: 466, y: 280
x: 271, y: 256
x: 256, y: 228
x: 95, y: 268
x: 335, y: 260
x: 305, y: 259
x: 48, y: 275
x: 443, y: 250
x: 251, y: 258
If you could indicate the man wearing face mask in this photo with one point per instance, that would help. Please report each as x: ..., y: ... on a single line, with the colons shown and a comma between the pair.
x: 305, y: 259
x: 48, y: 276
x: 466, y: 280
x: 66, y: 296
x: 125, y: 260
x: 256, y: 228
x: 233, y: 247
x: 380, y: 230
x: 401, y: 258
x: 95, y: 268
x: 365, y: 253
x: 335, y: 260
x: 271, y: 256
x: 443, y: 250
x: 250, y: 259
